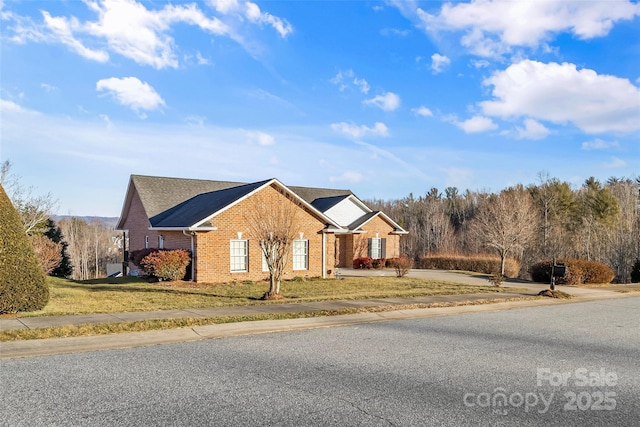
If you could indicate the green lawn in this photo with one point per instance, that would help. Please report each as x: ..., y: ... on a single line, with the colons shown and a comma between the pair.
x: 132, y: 294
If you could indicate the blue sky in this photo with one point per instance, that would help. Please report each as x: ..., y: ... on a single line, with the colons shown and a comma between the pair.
x: 384, y: 98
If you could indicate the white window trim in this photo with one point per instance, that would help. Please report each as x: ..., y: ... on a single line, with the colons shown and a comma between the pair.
x: 245, y: 256
x: 306, y: 254
x: 377, y: 246
x: 265, y: 266
x: 146, y: 242
x: 160, y: 241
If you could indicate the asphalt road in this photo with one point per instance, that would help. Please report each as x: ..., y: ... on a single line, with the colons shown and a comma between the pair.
x: 564, y: 365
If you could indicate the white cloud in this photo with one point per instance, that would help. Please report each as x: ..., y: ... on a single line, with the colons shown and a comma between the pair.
x: 251, y: 11
x: 394, y: 31
x: 479, y: 63
x: 133, y: 31
x: 261, y: 138
x: 355, y: 131
x: 225, y: 6
x: 12, y: 107
x: 492, y: 27
x: 62, y: 30
x: 344, y: 80
x: 560, y: 93
x: 532, y: 130
x: 439, y: 63
x: 347, y: 176
x: 387, y: 102
x: 201, y: 59
x: 128, y: 28
x: 106, y: 120
x: 422, y: 111
x: 599, y: 144
x: 341, y: 79
x: 48, y: 87
x: 254, y: 14
x: 615, y: 163
x: 131, y: 92
x: 362, y: 84
x: 476, y: 124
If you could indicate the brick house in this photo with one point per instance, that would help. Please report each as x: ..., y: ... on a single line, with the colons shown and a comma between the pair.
x: 209, y: 219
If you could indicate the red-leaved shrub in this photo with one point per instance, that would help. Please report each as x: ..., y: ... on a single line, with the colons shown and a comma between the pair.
x: 402, y: 265
x: 166, y: 264
x: 363, y: 262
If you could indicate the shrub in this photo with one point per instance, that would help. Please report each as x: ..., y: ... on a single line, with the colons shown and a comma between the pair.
x: 363, y: 262
x: 136, y: 257
x: 48, y: 252
x: 496, y: 279
x: 378, y: 263
x: 488, y: 264
x: 166, y: 264
x: 402, y: 265
x: 23, y: 284
x: 635, y: 272
x: 580, y: 271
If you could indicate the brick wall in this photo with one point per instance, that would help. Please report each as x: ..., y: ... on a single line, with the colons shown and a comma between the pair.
x: 137, y: 224
x: 213, y: 258
x: 357, y: 244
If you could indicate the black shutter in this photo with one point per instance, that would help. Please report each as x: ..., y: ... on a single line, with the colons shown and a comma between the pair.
x: 383, y: 248
x: 369, y: 248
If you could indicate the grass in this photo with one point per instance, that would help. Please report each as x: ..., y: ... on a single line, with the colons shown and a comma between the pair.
x: 161, y: 324
x: 129, y: 294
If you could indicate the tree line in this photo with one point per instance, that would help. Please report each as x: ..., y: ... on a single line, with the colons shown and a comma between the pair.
x: 71, y: 247
x: 549, y: 219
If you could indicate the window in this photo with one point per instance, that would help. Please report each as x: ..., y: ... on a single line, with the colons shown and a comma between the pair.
x: 374, y: 248
x: 161, y: 241
x: 239, y: 255
x: 265, y: 265
x: 300, y: 254
x: 377, y: 248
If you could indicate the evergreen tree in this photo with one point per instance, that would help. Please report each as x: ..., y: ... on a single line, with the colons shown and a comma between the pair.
x: 65, y: 268
x: 22, y: 280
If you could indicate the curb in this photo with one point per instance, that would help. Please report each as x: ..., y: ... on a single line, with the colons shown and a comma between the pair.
x: 57, y: 346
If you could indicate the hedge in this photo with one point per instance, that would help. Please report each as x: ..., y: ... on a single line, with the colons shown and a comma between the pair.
x: 488, y: 264
x: 580, y: 271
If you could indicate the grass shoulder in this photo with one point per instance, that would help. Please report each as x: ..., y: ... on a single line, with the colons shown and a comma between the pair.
x: 128, y: 294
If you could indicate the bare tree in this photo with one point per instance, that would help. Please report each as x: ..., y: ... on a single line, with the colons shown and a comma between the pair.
x: 272, y: 224
x: 506, y: 222
x: 34, y: 210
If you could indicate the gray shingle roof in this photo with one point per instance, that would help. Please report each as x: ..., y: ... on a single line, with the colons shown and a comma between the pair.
x: 182, y: 202
x: 201, y: 206
x: 309, y: 194
x: 159, y: 194
x: 323, y: 204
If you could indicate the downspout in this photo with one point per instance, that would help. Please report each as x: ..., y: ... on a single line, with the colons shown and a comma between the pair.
x: 193, y: 253
x: 324, y: 254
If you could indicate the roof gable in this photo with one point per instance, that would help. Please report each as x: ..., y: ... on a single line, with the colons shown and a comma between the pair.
x: 357, y: 225
x: 347, y: 210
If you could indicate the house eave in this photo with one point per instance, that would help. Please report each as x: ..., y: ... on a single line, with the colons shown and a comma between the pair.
x: 183, y: 228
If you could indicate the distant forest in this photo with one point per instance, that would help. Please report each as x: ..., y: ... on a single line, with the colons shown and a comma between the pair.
x: 597, y: 221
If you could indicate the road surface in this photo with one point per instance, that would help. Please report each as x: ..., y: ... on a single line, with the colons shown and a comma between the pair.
x: 564, y: 365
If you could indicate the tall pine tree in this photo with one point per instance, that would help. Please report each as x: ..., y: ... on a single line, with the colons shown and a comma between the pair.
x: 53, y: 232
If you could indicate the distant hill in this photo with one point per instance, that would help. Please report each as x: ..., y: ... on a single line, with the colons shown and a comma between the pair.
x: 108, y: 221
